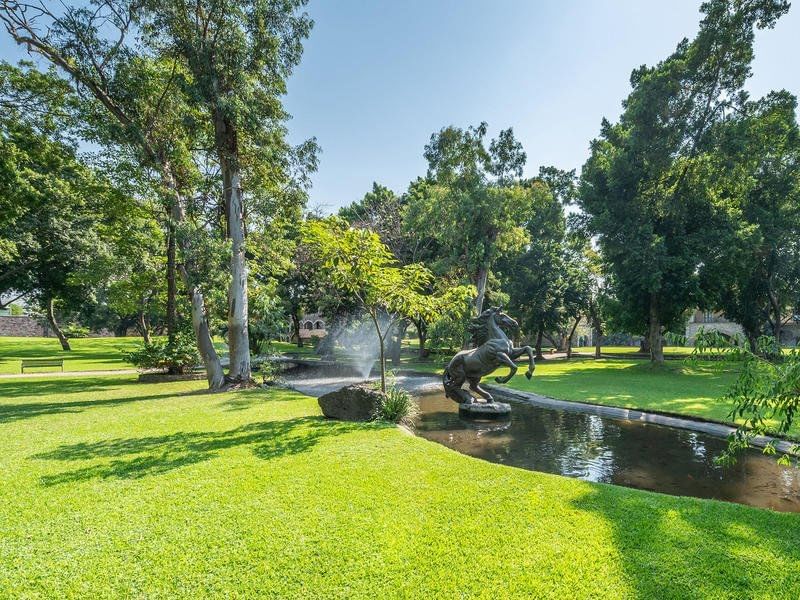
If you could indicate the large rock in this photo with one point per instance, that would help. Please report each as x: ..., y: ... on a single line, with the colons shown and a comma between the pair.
x: 351, y: 403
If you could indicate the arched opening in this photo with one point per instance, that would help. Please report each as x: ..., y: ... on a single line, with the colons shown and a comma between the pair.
x: 308, y: 325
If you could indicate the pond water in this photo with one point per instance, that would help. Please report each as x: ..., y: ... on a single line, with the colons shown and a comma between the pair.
x: 622, y: 452
x: 628, y: 453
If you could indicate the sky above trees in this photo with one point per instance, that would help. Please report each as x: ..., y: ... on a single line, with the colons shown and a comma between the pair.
x: 378, y: 78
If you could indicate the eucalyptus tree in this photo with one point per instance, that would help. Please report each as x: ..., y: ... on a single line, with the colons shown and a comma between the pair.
x: 238, y: 54
x: 132, y: 101
x: 472, y: 202
x: 648, y: 184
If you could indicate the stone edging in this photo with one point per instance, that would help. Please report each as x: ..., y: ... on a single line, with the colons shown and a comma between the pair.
x: 627, y: 414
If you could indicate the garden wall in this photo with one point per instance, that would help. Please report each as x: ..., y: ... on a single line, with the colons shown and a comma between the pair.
x: 23, y: 326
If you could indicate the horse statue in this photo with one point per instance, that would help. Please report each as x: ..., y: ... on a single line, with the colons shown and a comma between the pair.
x: 493, y: 348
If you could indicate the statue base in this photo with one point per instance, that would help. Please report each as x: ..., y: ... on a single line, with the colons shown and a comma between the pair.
x: 485, y: 410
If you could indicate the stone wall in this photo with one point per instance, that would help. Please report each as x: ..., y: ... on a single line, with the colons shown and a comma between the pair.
x: 23, y: 326
x: 726, y: 328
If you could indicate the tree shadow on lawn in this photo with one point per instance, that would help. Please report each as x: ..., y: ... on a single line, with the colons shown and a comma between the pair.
x: 18, y: 388
x: 134, y: 458
x: 685, y: 548
x: 29, y: 410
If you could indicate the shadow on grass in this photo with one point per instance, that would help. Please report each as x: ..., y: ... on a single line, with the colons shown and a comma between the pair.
x: 712, y: 546
x: 29, y: 410
x: 133, y: 458
x: 17, y: 388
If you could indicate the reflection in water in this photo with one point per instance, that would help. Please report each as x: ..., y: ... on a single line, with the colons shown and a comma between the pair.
x: 629, y: 453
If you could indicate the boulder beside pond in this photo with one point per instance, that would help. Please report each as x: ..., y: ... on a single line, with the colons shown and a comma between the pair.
x: 350, y: 403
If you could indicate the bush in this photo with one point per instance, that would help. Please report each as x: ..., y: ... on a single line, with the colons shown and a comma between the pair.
x: 397, y: 406
x: 76, y: 331
x: 180, y: 357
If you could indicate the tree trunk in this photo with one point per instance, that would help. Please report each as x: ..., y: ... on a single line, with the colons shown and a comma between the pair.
x: 654, y: 336
x: 205, y: 345
x: 644, y: 345
x: 296, y: 328
x: 51, y: 318
x: 172, y: 288
x: 422, y: 336
x: 144, y: 328
x: 775, y: 309
x: 238, y: 342
x: 382, y: 353
x: 397, y: 342
x: 483, y: 276
x: 538, y: 346
x: 569, y: 338
x: 597, y: 335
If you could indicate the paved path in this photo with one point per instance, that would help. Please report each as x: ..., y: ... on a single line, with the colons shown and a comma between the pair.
x: 70, y: 373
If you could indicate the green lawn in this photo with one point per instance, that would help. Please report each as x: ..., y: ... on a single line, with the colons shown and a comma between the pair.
x: 633, y: 383
x: 110, y: 488
x: 675, y: 388
x: 88, y: 354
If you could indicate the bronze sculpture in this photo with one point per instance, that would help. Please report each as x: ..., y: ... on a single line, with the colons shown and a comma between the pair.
x: 493, y: 348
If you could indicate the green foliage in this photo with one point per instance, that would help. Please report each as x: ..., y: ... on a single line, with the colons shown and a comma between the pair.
x: 397, y: 406
x: 76, y: 331
x: 648, y: 189
x: 181, y: 356
x: 755, y: 277
x: 766, y: 394
x: 472, y: 203
x: 357, y: 263
x: 535, y: 278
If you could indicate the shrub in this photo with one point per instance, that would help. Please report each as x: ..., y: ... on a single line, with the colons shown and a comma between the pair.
x: 180, y: 357
x: 397, y: 406
x: 270, y: 371
x: 76, y: 331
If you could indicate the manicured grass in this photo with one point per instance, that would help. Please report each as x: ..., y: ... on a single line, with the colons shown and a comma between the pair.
x: 679, y: 388
x: 88, y: 354
x: 109, y: 488
x: 292, y: 348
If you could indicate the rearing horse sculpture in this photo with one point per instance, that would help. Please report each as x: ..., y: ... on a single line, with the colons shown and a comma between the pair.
x: 493, y: 349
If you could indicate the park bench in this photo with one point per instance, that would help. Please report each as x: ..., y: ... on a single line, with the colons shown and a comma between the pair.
x: 42, y: 362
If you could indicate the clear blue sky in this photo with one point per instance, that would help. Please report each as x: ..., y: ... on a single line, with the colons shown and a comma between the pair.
x: 378, y: 77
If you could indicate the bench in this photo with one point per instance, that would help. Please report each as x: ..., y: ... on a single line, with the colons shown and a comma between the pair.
x: 42, y: 362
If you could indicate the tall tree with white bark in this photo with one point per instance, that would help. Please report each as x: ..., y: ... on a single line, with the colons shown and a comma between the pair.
x: 239, y: 54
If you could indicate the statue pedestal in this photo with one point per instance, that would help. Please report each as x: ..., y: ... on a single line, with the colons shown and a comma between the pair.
x: 485, y: 410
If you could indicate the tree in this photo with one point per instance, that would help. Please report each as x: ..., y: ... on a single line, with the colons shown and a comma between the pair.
x: 534, y: 277
x: 58, y: 202
x: 358, y: 263
x: 755, y: 276
x: 647, y: 186
x: 472, y: 203
x: 239, y: 55
x: 132, y: 104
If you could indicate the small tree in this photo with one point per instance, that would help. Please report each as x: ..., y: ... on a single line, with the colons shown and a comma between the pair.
x: 359, y: 264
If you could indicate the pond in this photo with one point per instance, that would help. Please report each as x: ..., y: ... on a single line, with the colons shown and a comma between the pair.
x: 628, y: 453
x: 590, y: 447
